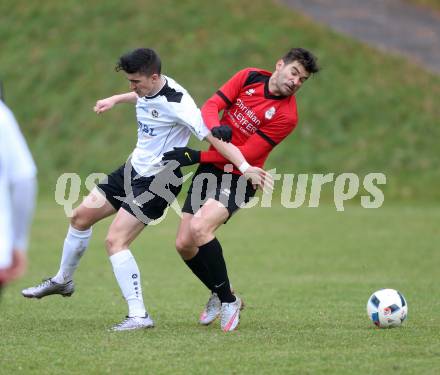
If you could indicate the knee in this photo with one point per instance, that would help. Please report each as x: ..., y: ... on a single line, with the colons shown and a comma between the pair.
x: 181, y: 244
x: 185, y: 246
x: 114, y: 243
x: 199, y: 230
x: 80, y: 221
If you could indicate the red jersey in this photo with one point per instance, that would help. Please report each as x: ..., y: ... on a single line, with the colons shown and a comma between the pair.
x: 259, y: 119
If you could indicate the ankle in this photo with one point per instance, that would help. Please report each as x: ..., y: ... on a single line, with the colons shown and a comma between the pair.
x: 60, y: 279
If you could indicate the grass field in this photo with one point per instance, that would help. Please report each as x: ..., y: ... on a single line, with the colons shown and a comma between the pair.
x: 305, y: 275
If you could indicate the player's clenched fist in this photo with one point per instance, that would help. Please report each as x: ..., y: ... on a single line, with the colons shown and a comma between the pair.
x: 104, y: 105
x: 222, y: 132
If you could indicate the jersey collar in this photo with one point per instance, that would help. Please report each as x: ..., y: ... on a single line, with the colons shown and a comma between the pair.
x: 160, y: 92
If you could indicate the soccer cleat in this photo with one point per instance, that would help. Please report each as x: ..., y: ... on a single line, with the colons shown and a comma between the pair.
x: 48, y: 287
x: 211, y: 310
x: 230, y: 315
x: 134, y: 322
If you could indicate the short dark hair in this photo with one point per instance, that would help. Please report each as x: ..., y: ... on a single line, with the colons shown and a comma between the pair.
x: 141, y: 60
x: 306, y: 58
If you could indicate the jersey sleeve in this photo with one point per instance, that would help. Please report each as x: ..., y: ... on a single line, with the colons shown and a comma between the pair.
x: 223, y: 98
x: 253, y: 149
x: 19, y: 163
x: 189, y: 115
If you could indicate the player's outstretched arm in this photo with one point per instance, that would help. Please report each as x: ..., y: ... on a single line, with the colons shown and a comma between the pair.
x: 186, y: 156
x: 103, y: 105
x: 259, y: 177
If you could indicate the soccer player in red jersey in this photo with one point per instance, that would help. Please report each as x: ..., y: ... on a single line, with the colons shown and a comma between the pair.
x: 259, y: 111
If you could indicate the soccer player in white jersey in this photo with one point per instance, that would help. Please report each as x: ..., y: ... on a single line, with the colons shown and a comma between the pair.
x: 17, y: 197
x: 141, y: 189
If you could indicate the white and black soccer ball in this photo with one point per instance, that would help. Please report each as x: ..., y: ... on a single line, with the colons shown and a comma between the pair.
x: 387, y: 308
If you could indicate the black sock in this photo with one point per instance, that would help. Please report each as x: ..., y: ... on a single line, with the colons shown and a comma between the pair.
x: 199, y: 268
x: 212, y: 255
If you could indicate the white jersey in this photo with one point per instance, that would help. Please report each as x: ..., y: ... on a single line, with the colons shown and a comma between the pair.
x: 165, y: 120
x: 16, y: 163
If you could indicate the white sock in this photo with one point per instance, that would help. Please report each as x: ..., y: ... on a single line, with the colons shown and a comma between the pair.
x: 128, y: 276
x: 75, y: 244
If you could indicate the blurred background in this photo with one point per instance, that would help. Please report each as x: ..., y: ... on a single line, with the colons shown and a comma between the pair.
x: 366, y: 111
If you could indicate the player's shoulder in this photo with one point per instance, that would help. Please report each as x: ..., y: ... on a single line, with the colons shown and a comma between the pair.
x: 171, y: 93
x: 252, y: 72
x: 252, y: 75
x: 174, y: 92
x: 172, y: 83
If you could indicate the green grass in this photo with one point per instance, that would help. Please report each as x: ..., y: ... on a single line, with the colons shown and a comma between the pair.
x: 365, y: 112
x: 304, y: 274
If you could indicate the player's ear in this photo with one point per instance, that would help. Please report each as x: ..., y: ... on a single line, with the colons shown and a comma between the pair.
x: 279, y: 65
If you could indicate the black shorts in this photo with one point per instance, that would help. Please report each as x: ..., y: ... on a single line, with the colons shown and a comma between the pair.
x: 230, y: 189
x: 146, y: 198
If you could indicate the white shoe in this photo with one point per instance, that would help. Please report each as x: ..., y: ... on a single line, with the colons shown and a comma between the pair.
x: 134, y: 322
x: 211, y: 310
x: 48, y: 287
x: 230, y: 315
